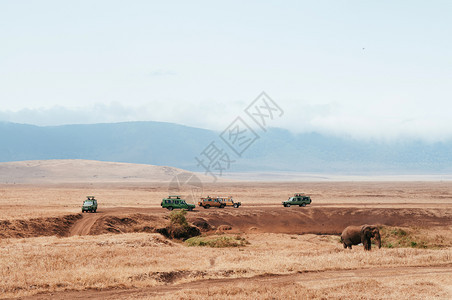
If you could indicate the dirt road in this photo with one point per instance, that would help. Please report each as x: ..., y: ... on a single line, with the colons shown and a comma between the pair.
x: 84, y: 225
x: 267, y: 280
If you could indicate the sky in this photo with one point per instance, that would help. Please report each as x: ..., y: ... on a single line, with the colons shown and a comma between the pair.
x: 366, y: 69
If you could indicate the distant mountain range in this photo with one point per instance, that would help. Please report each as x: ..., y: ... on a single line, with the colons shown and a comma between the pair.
x: 167, y: 144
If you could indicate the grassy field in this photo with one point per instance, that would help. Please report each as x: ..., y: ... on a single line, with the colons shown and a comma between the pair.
x: 415, y: 262
x: 141, y: 260
x: 28, y: 201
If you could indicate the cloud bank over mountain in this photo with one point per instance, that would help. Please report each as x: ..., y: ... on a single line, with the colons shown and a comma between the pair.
x: 335, y: 69
x: 167, y: 144
x: 388, y: 121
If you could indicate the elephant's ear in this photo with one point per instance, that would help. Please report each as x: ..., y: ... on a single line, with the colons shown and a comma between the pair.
x: 366, y: 230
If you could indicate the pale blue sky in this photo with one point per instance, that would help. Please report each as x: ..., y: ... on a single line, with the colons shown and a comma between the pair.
x: 365, y: 68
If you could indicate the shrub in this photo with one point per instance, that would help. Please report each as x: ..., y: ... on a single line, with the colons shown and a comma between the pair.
x: 179, y: 227
x: 177, y: 218
x: 398, y: 232
x: 217, y: 241
x: 395, y: 237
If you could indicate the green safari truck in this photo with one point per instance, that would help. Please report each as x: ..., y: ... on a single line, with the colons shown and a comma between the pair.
x: 89, y: 205
x: 175, y: 202
x: 297, y: 199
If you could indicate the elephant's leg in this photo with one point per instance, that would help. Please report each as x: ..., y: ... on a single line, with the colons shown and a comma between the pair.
x: 367, y: 245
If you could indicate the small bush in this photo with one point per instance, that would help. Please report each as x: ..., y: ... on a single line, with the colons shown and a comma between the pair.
x: 177, y: 218
x: 398, y: 232
x: 179, y: 227
x: 217, y: 242
x: 394, y: 237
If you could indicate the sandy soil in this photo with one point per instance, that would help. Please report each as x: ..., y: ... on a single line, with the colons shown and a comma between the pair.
x: 35, y: 211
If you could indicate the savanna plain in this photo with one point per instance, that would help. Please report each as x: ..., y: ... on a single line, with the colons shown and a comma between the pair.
x: 261, y: 250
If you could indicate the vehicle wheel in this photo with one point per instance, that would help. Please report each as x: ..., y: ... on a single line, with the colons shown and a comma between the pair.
x: 221, y: 206
x: 190, y: 209
x: 207, y: 206
x: 95, y: 210
x: 235, y: 206
x: 287, y: 205
x: 170, y: 208
x: 303, y: 204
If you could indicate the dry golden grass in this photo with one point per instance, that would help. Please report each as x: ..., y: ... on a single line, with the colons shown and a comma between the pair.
x: 139, y: 260
x: 390, y: 287
x: 48, y: 264
x: 27, y: 201
x: 416, y: 237
x: 21, y: 202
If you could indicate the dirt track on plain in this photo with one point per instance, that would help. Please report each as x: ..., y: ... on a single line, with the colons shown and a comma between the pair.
x: 264, y: 280
x: 84, y: 225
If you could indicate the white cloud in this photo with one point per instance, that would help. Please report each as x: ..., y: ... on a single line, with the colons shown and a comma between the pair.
x: 205, y: 65
x: 365, y: 121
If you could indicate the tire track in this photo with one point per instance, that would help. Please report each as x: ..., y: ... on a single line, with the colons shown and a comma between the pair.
x: 265, y: 280
x: 84, y: 225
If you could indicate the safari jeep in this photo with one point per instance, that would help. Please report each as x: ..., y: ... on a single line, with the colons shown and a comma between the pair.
x: 297, y: 199
x: 90, y: 204
x: 211, y: 202
x: 230, y: 202
x: 175, y: 201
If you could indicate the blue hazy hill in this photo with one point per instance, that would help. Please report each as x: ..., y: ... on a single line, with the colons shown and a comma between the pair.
x: 175, y: 145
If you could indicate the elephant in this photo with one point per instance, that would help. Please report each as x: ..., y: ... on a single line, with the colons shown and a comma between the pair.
x: 353, y: 235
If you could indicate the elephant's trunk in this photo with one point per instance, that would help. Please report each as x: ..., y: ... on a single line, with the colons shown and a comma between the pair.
x: 378, y: 238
